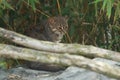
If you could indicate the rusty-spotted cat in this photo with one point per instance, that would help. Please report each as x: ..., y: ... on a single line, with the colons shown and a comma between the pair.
x: 51, y: 29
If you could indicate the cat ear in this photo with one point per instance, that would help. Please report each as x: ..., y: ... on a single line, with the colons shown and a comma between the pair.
x: 66, y: 17
x: 51, y: 20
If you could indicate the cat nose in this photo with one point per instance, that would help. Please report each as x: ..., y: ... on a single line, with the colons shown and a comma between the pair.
x: 60, y: 27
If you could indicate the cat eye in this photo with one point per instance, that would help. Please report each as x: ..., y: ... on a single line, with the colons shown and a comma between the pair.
x: 59, y: 27
x: 57, y: 34
x: 51, y: 21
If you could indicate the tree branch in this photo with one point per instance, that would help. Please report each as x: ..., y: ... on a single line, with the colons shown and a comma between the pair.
x: 89, y: 51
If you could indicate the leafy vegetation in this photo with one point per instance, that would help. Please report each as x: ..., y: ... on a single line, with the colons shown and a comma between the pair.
x: 91, y: 22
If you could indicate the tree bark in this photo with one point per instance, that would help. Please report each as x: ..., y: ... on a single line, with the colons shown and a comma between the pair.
x: 84, y: 50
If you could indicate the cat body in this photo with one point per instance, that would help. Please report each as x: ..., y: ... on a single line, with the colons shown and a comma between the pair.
x: 49, y: 30
x: 52, y: 30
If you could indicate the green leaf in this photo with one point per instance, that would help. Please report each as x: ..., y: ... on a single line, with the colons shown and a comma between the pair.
x: 117, y: 11
x: 96, y: 1
x: 32, y: 3
x: 1, y: 12
x: 109, y: 7
x: 104, y: 4
x: 6, y: 5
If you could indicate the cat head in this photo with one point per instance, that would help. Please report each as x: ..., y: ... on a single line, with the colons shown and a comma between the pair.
x: 58, y: 24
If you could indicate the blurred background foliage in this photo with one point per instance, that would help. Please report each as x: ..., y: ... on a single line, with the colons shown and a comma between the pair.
x: 91, y: 22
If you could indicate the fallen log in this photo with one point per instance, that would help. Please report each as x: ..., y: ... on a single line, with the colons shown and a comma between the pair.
x: 84, y: 50
x: 9, y: 51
